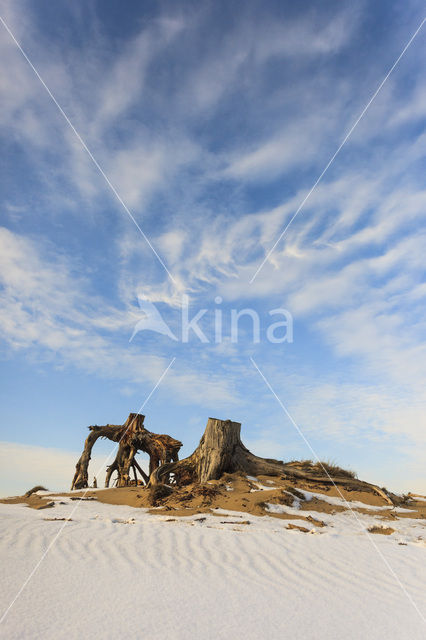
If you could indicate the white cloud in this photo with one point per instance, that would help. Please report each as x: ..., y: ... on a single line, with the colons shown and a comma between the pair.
x: 297, y: 145
x: 254, y: 44
x: 307, y: 36
x: 349, y: 267
x: 122, y: 87
x: 140, y: 168
x: 47, y: 309
x: 23, y: 466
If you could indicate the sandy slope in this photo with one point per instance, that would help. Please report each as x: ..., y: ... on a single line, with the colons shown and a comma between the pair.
x: 205, y: 577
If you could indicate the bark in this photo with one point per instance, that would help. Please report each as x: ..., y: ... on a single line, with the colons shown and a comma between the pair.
x: 222, y: 451
x: 110, y: 470
x: 161, y: 448
x: 109, y: 431
x: 131, y: 437
x: 141, y: 471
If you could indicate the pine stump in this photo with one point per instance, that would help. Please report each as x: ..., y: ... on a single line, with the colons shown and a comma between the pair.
x: 222, y: 451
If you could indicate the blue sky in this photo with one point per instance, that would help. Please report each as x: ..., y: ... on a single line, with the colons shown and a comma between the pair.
x: 213, y: 121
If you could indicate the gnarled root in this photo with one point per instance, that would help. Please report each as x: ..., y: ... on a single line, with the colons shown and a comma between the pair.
x: 221, y: 451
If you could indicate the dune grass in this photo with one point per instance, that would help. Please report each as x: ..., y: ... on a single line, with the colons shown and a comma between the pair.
x: 323, y: 468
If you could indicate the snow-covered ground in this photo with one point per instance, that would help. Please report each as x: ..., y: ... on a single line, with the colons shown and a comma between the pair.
x: 116, y: 571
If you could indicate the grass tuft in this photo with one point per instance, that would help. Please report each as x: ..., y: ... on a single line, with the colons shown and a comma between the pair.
x: 322, y: 468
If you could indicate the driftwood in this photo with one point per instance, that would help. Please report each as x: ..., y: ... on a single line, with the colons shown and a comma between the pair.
x: 34, y: 490
x: 131, y: 437
x: 161, y: 448
x: 111, y: 432
x: 221, y: 451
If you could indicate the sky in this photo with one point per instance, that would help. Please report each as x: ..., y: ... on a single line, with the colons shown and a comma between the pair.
x: 155, y: 153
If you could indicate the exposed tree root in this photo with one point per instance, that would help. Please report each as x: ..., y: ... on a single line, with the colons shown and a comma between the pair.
x: 221, y: 451
x: 131, y: 437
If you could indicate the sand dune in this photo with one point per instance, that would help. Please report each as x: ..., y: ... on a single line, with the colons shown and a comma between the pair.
x: 116, y: 569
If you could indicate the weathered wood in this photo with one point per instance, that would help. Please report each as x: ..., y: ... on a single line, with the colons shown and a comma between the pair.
x: 141, y: 471
x: 110, y: 470
x: 30, y: 492
x: 109, y: 431
x: 222, y: 451
x: 160, y: 447
x: 131, y: 437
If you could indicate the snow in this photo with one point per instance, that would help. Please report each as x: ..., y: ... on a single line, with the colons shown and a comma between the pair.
x: 262, y: 487
x: 353, y: 504
x: 116, y: 571
x: 408, y: 531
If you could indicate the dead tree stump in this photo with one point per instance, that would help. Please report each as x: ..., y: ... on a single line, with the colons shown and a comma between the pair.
x: 221, y: 451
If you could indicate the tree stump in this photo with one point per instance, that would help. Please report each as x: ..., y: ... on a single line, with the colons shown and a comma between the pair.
x: 222, y: 451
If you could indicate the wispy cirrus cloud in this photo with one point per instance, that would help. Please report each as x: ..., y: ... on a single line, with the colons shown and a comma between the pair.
x: 50, y: 311
x: 213, y: 131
